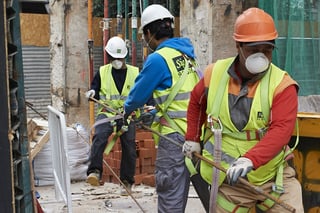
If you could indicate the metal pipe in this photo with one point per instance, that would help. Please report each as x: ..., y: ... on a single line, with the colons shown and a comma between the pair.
x: 90, y: 52
x: 126, y: 16
x: 105, y: 29
x: 134, y: 26
x: 145, y: 48
x: 119, y: 18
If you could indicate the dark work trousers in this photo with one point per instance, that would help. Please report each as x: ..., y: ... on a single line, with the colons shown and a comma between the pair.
x: 128, y: 146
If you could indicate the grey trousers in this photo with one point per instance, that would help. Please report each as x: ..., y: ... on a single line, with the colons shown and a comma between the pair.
x: 172, y: 176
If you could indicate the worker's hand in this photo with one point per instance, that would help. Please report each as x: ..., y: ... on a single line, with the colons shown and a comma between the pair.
x: 146, y: 118
x: 90, y: 93
x: 189, y: 147
x: 239, y: 168
x: 125, y: 118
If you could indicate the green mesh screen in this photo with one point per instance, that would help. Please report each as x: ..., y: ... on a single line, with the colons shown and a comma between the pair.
x: 298, y: 44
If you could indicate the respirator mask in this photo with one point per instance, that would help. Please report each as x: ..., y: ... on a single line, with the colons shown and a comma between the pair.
x: 256, y: 63
x: 117, y: 64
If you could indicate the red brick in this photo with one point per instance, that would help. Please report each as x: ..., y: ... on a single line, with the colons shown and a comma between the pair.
x: 117, y: 155
x: 139, y: 144
x: 114, y: 180
x: 149, y: 143
x: 149, y: 180
x: 147, y: 169
x: 146, y: 162
x: 145, y: 153
x: 117, y: 163
x: 138, y: 178
x: 141, y: 135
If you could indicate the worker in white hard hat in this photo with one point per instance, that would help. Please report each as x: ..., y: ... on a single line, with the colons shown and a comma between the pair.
x: 111, y: 85
x: 169, y: 74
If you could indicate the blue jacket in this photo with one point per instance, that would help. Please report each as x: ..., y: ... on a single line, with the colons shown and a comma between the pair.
x: 155, y: 74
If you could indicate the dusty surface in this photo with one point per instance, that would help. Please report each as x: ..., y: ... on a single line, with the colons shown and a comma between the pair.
x: 106, y: 198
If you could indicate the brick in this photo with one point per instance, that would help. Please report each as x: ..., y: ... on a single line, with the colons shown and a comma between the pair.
x: 117, y: 163
x: 141, y: 135
x: 117, y: 155
x: 139, y: 144
x: 149, y: 180
x: 145, y: 153
x: 114, y: 180
x: 147, y: 169
x: 146, y: 162
x: 138, y: 178
x: 149, y: 143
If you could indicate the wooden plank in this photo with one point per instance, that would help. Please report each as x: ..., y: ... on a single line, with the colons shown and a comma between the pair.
x: 40, y: 143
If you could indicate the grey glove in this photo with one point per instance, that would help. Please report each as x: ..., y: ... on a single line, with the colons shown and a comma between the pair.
x: 190, y: 147
x: 146, y: 118
x: 90, y: 93
x: 240, y: 167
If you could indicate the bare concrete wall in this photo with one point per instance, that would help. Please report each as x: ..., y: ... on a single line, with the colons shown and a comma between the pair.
x: 69, y: 60
x: 209, y: 25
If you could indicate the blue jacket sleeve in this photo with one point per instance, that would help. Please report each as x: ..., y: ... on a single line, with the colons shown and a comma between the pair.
x: 155, y: 75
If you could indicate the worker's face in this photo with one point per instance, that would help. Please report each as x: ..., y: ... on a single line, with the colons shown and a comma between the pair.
x: 149, y: 39
x: 254, y: 59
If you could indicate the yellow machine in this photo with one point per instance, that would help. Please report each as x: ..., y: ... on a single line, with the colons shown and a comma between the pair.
x: 307, y: 159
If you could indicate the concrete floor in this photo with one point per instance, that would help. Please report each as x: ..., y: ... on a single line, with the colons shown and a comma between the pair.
x: 106, y: 198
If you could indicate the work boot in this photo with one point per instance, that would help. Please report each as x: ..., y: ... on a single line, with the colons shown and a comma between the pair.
x: 94, y: 178
x: 123, y: 191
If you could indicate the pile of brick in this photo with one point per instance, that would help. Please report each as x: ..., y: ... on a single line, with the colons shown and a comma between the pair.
x: 145, y: 162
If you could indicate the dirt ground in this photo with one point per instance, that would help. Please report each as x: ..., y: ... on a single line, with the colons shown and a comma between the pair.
x: 106, y: 198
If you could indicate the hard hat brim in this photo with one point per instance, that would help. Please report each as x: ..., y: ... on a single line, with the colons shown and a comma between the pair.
x: 260, y: 42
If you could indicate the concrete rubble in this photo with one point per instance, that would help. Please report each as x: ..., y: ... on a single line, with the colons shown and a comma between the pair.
x: 106, y: 198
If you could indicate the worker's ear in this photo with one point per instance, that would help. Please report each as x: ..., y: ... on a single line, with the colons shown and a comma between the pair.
x: 238, y: 45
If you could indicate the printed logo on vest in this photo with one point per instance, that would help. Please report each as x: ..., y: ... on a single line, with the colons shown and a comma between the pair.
x: 260, y: 116
x: 179, y: 63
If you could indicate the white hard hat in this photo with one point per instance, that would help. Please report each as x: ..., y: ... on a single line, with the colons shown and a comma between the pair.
x: 152, y: 13
x: 116, y: 47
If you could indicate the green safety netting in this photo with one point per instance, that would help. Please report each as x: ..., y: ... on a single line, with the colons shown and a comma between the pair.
x: 298, y: 44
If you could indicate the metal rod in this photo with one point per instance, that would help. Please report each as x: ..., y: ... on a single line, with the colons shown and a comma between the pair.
x: 117, y: 177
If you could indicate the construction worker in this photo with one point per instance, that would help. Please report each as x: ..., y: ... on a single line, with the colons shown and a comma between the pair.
x: 248, y: 107
x: 111, y: 85
x: 169, y: 74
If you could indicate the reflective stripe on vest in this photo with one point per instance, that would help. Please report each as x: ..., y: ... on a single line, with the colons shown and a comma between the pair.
x: 109, y: 93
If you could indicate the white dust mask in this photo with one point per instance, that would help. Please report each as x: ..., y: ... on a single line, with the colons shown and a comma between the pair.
x: 117, y: 64
x: 257, y: 63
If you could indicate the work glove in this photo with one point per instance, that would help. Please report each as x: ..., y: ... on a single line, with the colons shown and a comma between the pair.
x: 239, y: 168
x: 189, y: 147
x: 125, y: 118
x: 146, y: 118
x: 90, y: 93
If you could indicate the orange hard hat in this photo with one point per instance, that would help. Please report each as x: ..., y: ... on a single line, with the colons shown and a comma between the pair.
x: 254, y: 25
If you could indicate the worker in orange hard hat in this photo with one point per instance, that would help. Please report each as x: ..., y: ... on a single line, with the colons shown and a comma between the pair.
x: 233, y: 103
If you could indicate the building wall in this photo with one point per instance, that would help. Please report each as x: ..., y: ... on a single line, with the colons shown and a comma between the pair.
x: 209, y: 25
